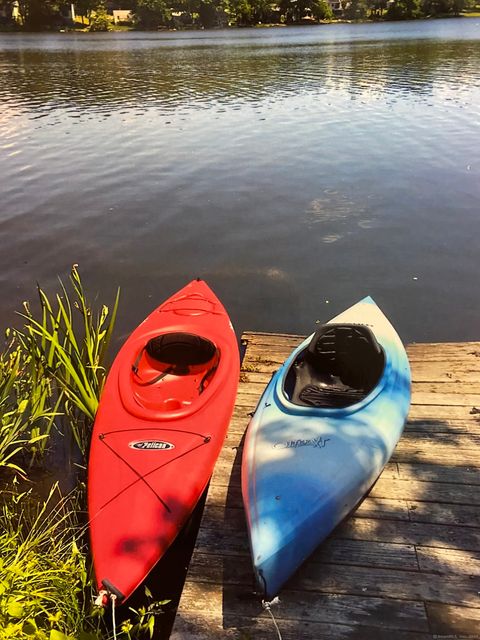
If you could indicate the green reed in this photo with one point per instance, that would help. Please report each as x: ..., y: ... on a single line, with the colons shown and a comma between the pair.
x: 43, y: 568
x: 67, y: 346
x: 26, y: 416
x: 52, y: 373
x: 46, y: 584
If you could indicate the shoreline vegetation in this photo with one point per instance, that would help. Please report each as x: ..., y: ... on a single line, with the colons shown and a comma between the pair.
x: 52, y: 371
x: 172, y: 15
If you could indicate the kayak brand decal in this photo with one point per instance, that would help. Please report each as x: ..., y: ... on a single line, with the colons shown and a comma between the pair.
x: 151, y: 445
x: 317, y: 443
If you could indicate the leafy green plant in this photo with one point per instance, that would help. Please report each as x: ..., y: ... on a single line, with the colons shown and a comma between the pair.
x: 25, y: 414
x: 52, y: 373
x: 143, y: 622
x: 46, y: 585
x: 100, y: 20
x: 43, y: 570
x: 68, y: 346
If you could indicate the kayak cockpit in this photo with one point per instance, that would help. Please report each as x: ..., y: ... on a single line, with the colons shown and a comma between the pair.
x: 172, y: 370
x: 340, y: 366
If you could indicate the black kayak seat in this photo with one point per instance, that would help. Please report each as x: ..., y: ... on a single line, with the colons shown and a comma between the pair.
x: 340, y: 366
x: 181, y: 352
x: 178, y: 354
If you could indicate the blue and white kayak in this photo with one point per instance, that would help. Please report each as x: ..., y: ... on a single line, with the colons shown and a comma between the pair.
x: 322, y: 432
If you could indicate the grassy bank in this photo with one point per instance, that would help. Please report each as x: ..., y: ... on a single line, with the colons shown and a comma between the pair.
x: 52, y: 372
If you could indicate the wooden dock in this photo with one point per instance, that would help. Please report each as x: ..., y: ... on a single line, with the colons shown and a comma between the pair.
x: 404, y: 566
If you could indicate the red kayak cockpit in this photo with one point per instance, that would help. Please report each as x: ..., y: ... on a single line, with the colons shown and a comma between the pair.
x: 168, y: 374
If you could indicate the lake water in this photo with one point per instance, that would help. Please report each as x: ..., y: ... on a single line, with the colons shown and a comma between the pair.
x: 295, y: 169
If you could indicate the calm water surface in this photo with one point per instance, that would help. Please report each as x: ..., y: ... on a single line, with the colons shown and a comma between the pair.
x: 296, y: 170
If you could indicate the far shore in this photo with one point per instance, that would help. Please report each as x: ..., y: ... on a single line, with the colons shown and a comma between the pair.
x: 79, y: 28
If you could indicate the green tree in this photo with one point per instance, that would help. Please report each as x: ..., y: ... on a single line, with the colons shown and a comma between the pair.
x: 39, y: 14
x: 294, y: 10
x: 100, y: 21
x: 355, y: 10
x: 443, y: 7
x: 457, y: 6
x: 263, y: 11
x: 151, y: 14
x: 377, y: 8
x: 321, y: 10
x: 240, y: 11
x: 85, y: 7
x: 207, y: 13
x: 6, y: 6
x: 404, y: 10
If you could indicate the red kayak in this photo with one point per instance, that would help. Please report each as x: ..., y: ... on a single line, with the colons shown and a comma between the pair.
x: 159, y: 429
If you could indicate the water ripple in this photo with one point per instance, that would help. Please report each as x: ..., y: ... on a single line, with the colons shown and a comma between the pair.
x: 172, y: 80
x: 288, y: 165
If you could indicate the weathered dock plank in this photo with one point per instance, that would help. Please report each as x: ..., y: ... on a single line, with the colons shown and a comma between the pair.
x: 404, y: 566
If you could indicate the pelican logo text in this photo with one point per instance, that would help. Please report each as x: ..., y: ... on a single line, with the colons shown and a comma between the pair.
x: 151, y: 445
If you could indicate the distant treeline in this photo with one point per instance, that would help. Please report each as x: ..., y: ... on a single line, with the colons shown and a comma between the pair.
x: 154, y: 14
